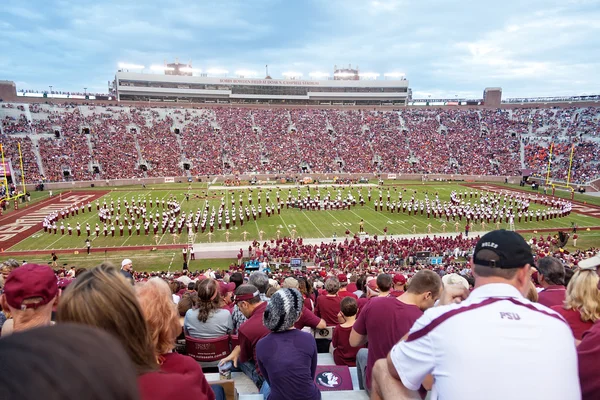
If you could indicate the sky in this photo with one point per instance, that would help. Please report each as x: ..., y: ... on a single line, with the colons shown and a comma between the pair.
x: 446, y: 48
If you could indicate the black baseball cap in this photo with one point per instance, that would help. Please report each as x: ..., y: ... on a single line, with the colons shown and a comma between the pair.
x: 512, y: 250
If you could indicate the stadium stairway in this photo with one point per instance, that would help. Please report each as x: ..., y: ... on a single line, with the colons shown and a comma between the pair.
x: 248, y: 391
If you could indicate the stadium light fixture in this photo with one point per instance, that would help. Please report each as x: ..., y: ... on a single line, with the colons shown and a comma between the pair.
x: 130, y: 66
x: 369, y: 75
x: 318, y: 74
x: 291, y: 74
x: 161, y: 68
x: 190, y: 69
x: 217, y: 71
x: 245, y: 72
x: 343, y: 74
x: 394, y: 74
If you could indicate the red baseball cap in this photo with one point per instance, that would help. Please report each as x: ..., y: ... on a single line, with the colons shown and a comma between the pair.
x: 342, y: 278
x: 399, y: 278
x: 372, y: 284
x: 226, y: 287
x: 29, y: 281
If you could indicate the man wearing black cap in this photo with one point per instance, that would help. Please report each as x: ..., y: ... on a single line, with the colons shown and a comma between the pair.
x: 486, y: 345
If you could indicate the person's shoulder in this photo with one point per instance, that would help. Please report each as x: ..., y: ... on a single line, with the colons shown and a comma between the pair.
x: 191, y: 313
x: 182, y: 363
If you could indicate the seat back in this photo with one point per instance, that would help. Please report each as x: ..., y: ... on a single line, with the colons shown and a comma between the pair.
x: 206, y: 350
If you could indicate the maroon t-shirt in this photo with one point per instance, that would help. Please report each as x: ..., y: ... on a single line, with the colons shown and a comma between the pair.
x: 251, y: 332
x: 328, y: 308
x: 385, y: 320
x: 396, y: 293
x: 346, y: 293
x: 588, y: 353
x: 307, y: 318
x: 552, y: 296
x: 344, y: 354
x: 178, y: 374
x: 573, y: 318
x: 362, y: 303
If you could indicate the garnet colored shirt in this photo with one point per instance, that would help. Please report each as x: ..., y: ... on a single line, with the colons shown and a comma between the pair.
x: 328, y: 308
x: 553, y: 295
x: 588, y: 353
x: 178, y: 374
x: 288, y: 361
x: 344, y: 354
x: 307, y: 318
x: 347, y: 293
x: 385, y: 320
x: 251, y: 332
x: 573, y: 318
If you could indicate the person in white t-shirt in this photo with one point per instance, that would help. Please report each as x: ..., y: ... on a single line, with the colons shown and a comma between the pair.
x: 495, y: 344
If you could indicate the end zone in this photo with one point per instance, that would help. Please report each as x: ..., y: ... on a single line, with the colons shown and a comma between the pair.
x: 22, y: 223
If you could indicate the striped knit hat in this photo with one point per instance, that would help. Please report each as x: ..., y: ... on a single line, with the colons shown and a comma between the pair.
x: 283, y: 310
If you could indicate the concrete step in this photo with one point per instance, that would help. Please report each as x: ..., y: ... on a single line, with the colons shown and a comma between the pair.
x: 341, y: 395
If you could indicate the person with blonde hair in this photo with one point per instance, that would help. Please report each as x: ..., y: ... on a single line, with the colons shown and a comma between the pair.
x: 163, y: 323
x: 102, y: 297
x: 581, y: 307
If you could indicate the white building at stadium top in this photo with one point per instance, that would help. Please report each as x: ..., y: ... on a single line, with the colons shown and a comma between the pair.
x: 135, y: 86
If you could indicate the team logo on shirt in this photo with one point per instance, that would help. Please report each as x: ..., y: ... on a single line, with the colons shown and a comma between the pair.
x: 329, y: 379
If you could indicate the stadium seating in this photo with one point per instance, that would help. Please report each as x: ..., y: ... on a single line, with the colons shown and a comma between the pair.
x: 208, y: 350
x: 111, y: 142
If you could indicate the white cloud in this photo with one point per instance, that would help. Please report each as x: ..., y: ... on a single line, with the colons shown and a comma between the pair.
x: 536, y: 47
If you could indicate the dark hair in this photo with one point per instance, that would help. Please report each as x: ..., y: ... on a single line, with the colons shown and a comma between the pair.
x: 236, y: 278
x: 79, y: 271
x: 304, y: 286
x: 191, y: 286
x: 360, y: 283
x: 247, y: 289
x: 385, y: 282
x: 552, y: 269
x: 568, y: 275
x: 348, y: 306
x: 486, y: 272
x: 188, y: 300
x: 209, y: 298
x: 53, y: 353
x: 425, y: 281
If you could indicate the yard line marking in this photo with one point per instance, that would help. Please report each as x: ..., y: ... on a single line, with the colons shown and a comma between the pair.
x: 367, y: 221
x: 305, y: 213
x: 286, y: 227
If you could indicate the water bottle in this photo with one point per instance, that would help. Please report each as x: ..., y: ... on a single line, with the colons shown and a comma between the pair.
x: 225, y: 370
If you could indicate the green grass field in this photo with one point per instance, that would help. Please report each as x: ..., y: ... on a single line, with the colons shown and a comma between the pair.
x: 307, y: 224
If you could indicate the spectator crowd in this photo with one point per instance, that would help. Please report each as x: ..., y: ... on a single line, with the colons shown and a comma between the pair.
x: 112, y: 142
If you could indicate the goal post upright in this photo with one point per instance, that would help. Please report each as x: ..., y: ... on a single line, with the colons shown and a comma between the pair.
x: 570, y: 164
x: 549, y: 163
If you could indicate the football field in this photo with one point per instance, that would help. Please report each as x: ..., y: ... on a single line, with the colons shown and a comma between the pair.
x: 290, y: 222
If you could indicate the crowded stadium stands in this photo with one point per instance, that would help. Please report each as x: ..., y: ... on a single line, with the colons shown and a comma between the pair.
x: 112, y: 142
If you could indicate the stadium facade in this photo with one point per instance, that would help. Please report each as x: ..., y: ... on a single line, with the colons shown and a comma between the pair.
x: 134, y: 86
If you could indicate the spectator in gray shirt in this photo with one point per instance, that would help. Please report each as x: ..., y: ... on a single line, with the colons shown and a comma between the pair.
x: 208, y: 320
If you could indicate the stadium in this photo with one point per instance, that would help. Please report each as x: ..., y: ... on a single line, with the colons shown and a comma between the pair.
x: 318, y: 185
